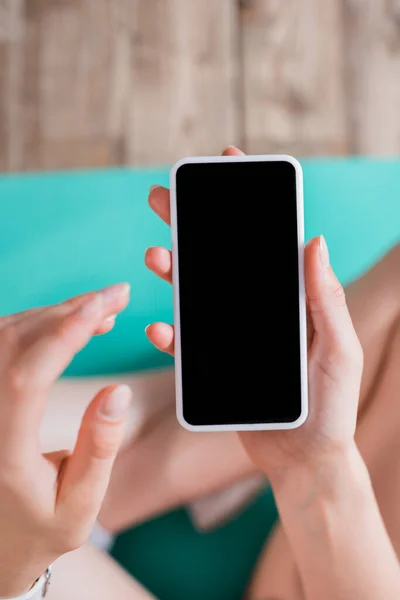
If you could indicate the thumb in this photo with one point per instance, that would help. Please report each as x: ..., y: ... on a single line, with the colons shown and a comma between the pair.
x: 335, y: 340
x: 87, y: 473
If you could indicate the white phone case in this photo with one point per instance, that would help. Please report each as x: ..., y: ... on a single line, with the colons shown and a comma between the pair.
x: 302, y: 301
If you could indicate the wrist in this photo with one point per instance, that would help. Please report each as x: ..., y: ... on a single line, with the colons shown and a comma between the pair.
x: 324, y: 477
x: 14, y: 583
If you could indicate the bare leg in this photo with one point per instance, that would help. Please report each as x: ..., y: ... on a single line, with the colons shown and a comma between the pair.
x: 169, y: 465
x: 87, y: 574
x: 374, y: 303
x: 379, y: 439
x: 152, y: 393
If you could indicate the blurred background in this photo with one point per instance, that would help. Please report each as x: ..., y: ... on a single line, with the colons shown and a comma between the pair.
x: 99, y: 83
x: 92, y: 83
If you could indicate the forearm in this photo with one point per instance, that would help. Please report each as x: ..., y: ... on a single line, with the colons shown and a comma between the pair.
x: 171, y: 467
x: 334, y: 526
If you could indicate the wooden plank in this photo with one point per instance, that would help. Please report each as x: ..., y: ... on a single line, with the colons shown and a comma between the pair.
x: 11, y: 36
x: 99, y: 82
x: 293, y: 77
x: 183, y: 86
x: 3, y: 88
x: 68, y: 52
x: 373, y: 51
x: 30, y: 97
x: 58, y: 105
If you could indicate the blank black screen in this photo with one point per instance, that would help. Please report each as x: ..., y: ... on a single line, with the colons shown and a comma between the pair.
x: 239, y: 292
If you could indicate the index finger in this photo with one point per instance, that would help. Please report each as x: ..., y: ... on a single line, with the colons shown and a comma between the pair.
x: 51, y: 339
x: 159, y: 202
x: 38, y: 349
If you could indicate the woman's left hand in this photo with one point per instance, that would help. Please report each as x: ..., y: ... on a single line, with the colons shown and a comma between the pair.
x: 48, y: 503
x: 335, y: 363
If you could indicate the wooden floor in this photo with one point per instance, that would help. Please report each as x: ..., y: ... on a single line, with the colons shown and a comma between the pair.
x: 102, y: 82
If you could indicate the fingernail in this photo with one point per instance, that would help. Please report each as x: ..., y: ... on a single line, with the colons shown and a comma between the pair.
x: 110, y: 319
x: 323, y: 251
x: 146, y: 328
x: 230, y: 147
x: 154, y: 187
x: 115, y: 291
x: 115, y: 405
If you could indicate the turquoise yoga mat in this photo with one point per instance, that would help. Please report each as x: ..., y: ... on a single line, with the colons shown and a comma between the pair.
x: 65, y: 233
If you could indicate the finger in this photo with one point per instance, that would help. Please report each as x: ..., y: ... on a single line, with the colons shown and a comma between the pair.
x: 35, y: 312
x: 38, y: 351
x: 337, y: 342
x: 22, y: 316
x: 52, y: 339
x: 159, y: 202
x: 106, y: 325
x: 161, y: 336
x: 159, y: 260
x: 87, y: 473
x: 232, y: 151
x: 113, y: 298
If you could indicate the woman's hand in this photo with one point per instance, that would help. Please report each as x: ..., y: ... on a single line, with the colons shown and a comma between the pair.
x: 321, y: 484
x: 48, y: 503
x: 334, y: 361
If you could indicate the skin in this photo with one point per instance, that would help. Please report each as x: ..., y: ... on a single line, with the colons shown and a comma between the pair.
x: 375, y: 309
x: 322, y: 487
x: 65, y: 489
x: 321, y: 484
x: 203, y: 463
x: 333, y: 347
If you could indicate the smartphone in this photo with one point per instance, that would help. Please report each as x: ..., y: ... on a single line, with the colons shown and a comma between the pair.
x: 239, y: 299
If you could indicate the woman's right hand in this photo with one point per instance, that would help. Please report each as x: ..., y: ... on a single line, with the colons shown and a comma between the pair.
x: 48, y: 503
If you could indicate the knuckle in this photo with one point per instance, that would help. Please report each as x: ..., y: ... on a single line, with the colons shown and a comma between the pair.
x: 105, y: 441
x: 104, y: 450
x: 339, y: 295
x: 73, y: 304
x: 71, y: 320
x: 65, y: 328
x: 334, y: 296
